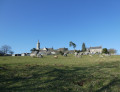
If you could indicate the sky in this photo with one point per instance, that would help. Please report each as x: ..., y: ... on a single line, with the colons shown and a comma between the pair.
x: 57, y: 22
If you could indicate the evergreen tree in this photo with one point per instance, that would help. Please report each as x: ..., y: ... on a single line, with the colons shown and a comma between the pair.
x: 83, y: 47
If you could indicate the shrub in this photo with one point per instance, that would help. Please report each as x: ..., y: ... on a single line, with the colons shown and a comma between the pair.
x: 105, y: 51
x: 61, y: 53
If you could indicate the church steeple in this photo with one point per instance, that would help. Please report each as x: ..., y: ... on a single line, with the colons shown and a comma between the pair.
x: 38, y: 41
x: 38, y: 45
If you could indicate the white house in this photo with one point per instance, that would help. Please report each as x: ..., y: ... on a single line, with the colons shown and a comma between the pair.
x: 95, y: 49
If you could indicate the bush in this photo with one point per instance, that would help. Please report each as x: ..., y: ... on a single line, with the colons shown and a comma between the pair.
x: 61, y: 53
x: 105, y: 51
x: 78, y: 51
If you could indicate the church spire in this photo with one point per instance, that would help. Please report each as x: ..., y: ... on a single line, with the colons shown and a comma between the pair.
x: 38, y: 45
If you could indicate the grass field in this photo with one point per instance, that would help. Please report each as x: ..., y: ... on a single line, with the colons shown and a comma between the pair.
x: 65, y: 74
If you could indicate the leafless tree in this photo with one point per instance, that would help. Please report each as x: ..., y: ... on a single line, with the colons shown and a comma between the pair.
x: 112, y: 51
x: 11, y: 52
x: 1, y: 53
x: 5, y: 49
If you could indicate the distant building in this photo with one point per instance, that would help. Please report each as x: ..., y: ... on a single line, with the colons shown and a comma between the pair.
x: 53, y: 52
x: 34, y: 53
x: 16, y: 54
x: 63, y: 49
x: 46, y: 49
x: 43, y: 51
x: 71, y: 51
x: 25, y: 54
x: 95, y: 49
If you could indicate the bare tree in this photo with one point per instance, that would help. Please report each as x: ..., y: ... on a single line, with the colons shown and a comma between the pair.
x: 5, y: 49
x: 112, y: 51
x: 1, y: 53
x: 11, y: 52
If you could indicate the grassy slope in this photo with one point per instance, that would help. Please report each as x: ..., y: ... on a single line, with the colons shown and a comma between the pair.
x: 65, y: 74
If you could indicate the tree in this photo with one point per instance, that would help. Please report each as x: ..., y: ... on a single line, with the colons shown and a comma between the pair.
x: 33, y: 49
x: 1, y: 53
x: 61, y: 53
x: 83, y: 47
x: 5, y: 49
x: 71, y: 44
x: 105, y: 51
x: 78, y: 51
x: 112, y: 51
x: 11, y: 52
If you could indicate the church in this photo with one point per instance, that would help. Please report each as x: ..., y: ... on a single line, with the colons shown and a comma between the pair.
x: 45, y: 51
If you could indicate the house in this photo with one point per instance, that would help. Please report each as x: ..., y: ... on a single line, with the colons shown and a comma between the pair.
x: 63, y: 49
x: 34, y: 53
x: 25, y: 54
x: 16, y: 54
x: 53, y: 52
x: 71, y: 51
x: 94, y: 50
x: 45, y: 49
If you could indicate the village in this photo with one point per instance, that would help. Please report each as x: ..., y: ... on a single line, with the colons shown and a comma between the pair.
x: 40, y: 52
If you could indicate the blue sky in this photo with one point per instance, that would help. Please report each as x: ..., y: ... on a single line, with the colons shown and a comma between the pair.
x: 57, y: 22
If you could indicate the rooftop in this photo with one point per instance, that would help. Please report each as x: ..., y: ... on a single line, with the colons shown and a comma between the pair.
x: 98, y: 47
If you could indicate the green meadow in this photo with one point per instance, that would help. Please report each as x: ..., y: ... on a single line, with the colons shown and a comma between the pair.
x: 64, y: 74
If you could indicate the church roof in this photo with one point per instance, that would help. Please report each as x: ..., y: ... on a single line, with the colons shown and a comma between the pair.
x: 98, y: 47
